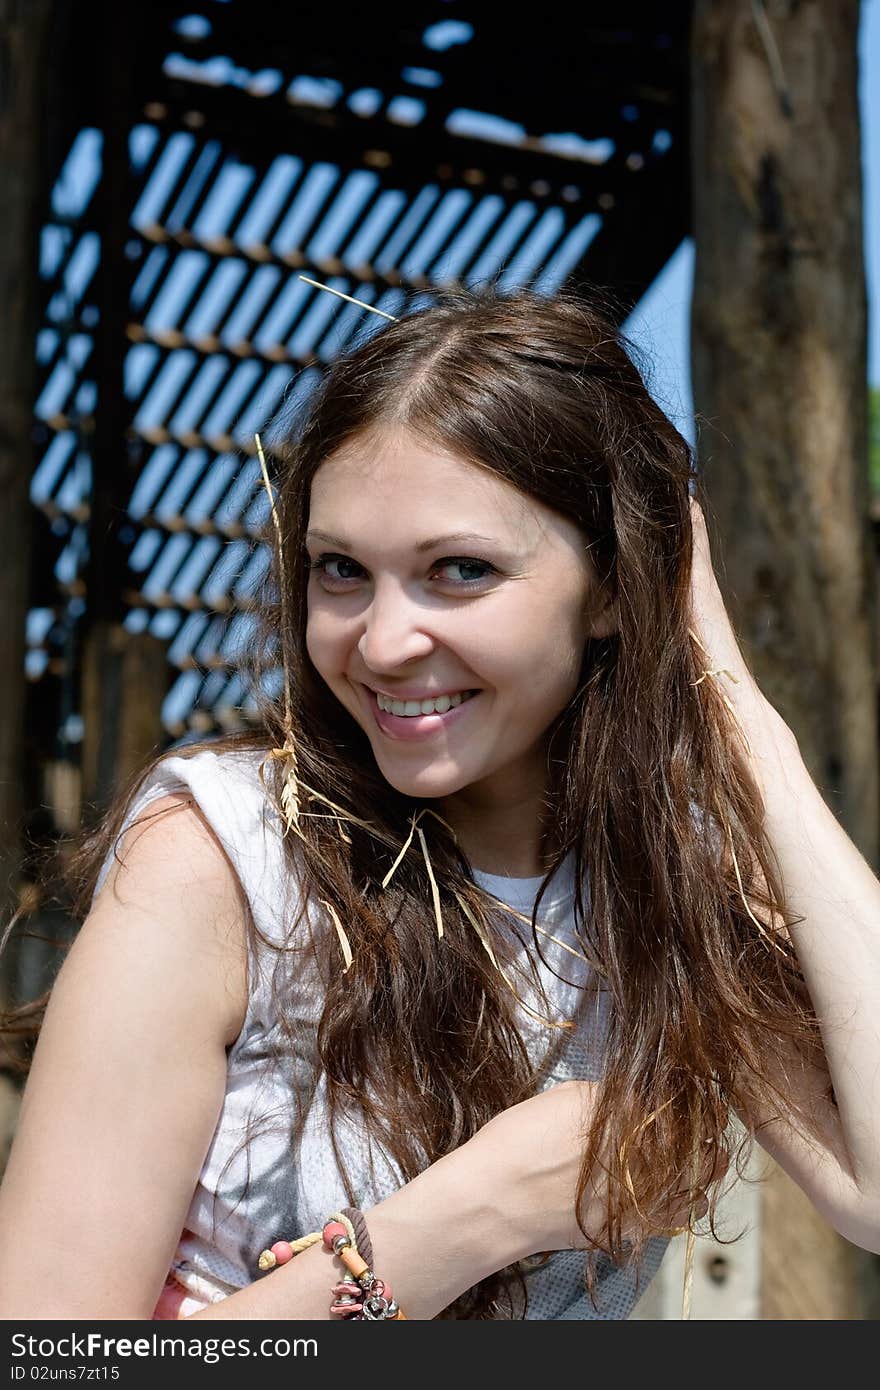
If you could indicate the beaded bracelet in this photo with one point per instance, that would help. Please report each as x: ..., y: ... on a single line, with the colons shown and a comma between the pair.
x: 363, y: 1296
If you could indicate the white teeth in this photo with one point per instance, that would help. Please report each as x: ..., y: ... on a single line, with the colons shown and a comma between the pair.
x: 413, y: 707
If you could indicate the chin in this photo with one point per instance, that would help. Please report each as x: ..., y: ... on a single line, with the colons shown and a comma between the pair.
x: 427, y: 783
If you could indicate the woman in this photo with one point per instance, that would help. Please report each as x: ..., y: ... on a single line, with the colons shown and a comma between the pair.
x: 498, y: 972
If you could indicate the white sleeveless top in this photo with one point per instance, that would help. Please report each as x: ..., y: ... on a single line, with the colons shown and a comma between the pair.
x: 248, y: 1197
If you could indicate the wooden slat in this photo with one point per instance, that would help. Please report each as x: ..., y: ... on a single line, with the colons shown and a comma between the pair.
x: 779, y: 369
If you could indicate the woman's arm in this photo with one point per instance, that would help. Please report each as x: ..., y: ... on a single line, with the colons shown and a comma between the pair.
x: 432, y: 1240
x: 127, y: 1080
x: 828, y: 883
x: 507, y: 1193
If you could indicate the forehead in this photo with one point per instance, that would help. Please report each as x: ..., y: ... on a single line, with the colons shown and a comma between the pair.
x: 403, y: 481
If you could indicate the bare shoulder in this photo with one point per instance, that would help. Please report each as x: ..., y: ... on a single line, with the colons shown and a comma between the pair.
x: 172, y: 889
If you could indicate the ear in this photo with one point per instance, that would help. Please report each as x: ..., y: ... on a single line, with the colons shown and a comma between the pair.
x: 601, y: 620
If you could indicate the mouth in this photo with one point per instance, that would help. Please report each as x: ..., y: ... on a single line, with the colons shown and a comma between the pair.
x: 407, y: 727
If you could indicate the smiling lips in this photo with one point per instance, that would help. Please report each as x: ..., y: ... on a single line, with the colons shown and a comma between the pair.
x: 406, y: 727
x: 429, y: 704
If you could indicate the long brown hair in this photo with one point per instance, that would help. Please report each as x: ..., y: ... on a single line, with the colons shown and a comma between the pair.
x: 544, y: 394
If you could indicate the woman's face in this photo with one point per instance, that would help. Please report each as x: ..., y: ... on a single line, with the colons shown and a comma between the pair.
x: 433, y: 577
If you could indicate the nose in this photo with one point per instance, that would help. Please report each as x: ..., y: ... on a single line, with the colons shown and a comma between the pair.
x: 394, y: 632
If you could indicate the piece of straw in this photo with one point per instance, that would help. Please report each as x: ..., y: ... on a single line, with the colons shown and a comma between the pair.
x: 344, y: 942
x: 351, y: 299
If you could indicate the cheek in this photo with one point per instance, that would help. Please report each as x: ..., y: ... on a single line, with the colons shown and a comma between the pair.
x: 540, y: 657
x: 543, y: 685
x: 324, y: 641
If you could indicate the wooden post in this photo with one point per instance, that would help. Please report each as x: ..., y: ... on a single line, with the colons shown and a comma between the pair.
x: 24, y: 34
x: 123, y: 677
x: 779, y: 375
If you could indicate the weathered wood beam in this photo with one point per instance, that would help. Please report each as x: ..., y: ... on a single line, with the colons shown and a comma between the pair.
x: 779, y: 376
x: 122, y: 678
x: 24, y: 36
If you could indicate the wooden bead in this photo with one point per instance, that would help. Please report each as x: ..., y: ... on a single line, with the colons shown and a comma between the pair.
x: 353, y: 1262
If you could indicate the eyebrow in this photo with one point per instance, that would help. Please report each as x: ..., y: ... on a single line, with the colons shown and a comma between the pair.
x: 458, y: 537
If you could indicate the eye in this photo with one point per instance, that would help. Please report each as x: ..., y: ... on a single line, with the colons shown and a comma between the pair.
x: 320, y: 566
x: 324, y: 565
x: 466, y: 564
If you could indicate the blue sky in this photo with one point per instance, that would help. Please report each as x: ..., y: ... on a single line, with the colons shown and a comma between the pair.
x: 659, y: 324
